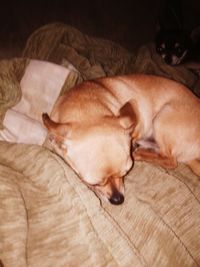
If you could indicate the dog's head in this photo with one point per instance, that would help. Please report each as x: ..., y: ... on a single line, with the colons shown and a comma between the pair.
x: 173, y: 46
x: 99, y: 153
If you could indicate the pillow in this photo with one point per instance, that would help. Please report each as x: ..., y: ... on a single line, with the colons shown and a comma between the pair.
x: 40, y: 87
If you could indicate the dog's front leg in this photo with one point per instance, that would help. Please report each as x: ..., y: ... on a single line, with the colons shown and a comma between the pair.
x: 150, y: 155
x: 194, y: 165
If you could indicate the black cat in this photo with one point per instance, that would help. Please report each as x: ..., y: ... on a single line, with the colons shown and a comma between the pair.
x: 179, y: 47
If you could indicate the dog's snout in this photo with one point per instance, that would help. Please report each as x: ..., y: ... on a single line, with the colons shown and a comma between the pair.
x: 168, y: 59
x: 117, y: 198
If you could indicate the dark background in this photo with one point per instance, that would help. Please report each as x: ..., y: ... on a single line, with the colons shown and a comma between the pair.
x: 127, y: 22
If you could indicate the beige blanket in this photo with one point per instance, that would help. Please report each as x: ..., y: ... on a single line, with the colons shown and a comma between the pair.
x: 49, y: 218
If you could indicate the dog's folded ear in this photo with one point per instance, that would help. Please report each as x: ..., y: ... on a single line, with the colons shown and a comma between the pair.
x: 61, y: 130
x: 128, y: 117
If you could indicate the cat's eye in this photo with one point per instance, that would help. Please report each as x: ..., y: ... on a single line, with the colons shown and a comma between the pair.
x: 179, y: 49
x: 160, y: 49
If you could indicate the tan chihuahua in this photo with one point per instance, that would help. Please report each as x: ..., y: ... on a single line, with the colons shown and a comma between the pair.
x: 101, y: 125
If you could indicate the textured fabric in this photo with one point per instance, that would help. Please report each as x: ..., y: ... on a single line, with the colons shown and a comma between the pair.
x: 48, y: 217
x: 40, y: 85
x: 11, y: 73
x: 94, y: 57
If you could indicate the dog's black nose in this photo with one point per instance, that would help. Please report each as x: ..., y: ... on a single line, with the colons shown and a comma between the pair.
x: 117, y: 198
x: 168, y: 59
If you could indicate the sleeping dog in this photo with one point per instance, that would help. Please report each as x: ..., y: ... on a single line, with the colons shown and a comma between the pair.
x: 100, y: 127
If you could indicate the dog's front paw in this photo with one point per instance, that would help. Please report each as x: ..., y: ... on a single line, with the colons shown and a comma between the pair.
x: 137, y: 155
x: 134, y: 147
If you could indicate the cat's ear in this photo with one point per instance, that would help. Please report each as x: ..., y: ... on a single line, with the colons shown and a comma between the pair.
x: 159, y: 25
x: 195, y: 35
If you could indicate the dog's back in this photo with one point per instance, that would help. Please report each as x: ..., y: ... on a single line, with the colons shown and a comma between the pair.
x: 167, y: 109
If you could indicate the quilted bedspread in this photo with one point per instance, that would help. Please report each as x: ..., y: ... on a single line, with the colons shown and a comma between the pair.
x: 48, y: 217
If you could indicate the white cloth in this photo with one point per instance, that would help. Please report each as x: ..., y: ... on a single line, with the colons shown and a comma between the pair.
x: 40, y: 85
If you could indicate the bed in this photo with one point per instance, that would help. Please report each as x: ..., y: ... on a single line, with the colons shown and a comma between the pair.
x: 48, y: 217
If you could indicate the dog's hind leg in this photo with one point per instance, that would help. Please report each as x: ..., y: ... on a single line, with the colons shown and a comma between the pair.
x: 194, y: 165
x: 152, y: 156
x: 160, y: 148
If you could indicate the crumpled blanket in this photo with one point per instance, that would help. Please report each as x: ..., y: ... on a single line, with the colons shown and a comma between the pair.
x: 94, y: 57
x: 48, y: 217
x: 40, y: 86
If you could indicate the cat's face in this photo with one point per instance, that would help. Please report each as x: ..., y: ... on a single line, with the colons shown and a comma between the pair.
x: 172, y: 46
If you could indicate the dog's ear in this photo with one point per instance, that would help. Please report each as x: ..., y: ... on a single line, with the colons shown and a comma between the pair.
x: 195, y: 35
x: 58, y: 131
x: 128, y: 117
